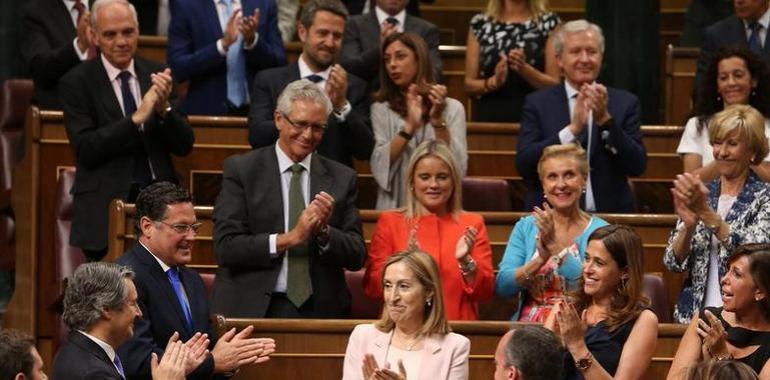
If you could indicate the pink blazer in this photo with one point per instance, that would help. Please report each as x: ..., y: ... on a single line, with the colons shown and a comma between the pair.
x: 443, y: 357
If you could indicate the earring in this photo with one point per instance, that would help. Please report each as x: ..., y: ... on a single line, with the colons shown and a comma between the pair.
x: 622, y: 285
x: 428, y: 303
x: 719, y: 98
x: 584, y: 190
x: 753, y: 91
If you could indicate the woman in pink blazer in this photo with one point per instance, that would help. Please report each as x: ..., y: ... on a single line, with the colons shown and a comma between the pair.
x: 412, y: 339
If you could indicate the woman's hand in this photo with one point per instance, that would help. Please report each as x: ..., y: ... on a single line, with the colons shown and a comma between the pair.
x: 688, y: 217
x: 545, y: 226
x: 693, y: 192
x: 437, y: 97
x: 465, y: 244
x: 414, y: 110
x: 517, y: 59
x: 369, y: 367
x: 550, y: 321
x: 714, y: 336
x: 571, y: 327
x: 388, y: 374
x: 501, y: 73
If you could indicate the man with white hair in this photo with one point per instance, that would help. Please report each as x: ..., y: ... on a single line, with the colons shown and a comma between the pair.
x: 285, y: 221
x: 603, y: 120
x: 120, y: 122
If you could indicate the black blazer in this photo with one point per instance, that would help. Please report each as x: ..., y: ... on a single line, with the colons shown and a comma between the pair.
x: 46, y: 47
x: 342, y: 140
x: 80, y: 358
x: 546, y: 112
x: 728, y: 31
x: 361, y: 46
x: 105, y: 142
x: 162, y: 314
x: 250, y: 208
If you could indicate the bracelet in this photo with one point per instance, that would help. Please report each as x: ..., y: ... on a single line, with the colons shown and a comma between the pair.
x: 468, y: 267
x: 585, y: 363
x: 440, y: 126
x: 405, y: 135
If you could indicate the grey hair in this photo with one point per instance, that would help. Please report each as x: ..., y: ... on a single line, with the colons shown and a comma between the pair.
x: 312, y: 7
x: 577, y: 26
x: 533, y: 350
x: 302, y: 89
x: 93, y: 289
x: 98, y: 4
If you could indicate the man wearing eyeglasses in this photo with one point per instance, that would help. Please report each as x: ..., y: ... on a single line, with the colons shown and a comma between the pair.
x: 285, y: 221
x: 349, y: 133
x: 172, y: 296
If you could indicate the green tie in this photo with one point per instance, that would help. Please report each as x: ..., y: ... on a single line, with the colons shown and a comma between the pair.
x: 298, y: 282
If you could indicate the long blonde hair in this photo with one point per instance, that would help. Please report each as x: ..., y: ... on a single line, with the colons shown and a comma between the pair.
x: 442, y: 151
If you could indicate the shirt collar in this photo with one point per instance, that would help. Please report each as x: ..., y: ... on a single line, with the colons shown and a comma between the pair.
x: 71, y: 3
x: 764, y: 20
x: 284, y: 162
x: 304, y: 69
x: 106, y: 347
x: 113, y: 72
x: 570, y: 91
x: 163, y: 265
x: 382, y: 16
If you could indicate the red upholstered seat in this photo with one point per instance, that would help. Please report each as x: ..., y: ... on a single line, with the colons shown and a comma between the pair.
x: 655, y: 288
x: 486, y: 194
x: 363, y: 307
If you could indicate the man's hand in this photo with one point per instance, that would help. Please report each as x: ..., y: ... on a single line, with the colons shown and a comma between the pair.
x: 162, y: 84
x: 579, y: 114
x: 337, y: 86
x: 387, y: 29
x: 172, y: 364
x: 235, y: 350
x: 596, y: 100
x: 231, y: 29
x: 248, y: 27
x: 197, y: 347
x: 323, y: 206
x: 84, y: 32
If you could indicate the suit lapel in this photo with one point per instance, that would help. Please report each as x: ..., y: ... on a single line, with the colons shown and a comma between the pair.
x: 293, y: 71
x: 61, y: 14
x: 431, y: 348
x: 380, y: 346
x: 162, y: 284
x: 212, y: 17
x: 320, y: 180
x: 143, y: 75
x: 559, y: 99
x: 105, y: 90
x: 268, y: 182
x: 88, y: 345
x: 372, y: 28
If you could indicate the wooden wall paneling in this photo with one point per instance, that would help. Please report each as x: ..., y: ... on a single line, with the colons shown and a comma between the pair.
x: 679, y: 80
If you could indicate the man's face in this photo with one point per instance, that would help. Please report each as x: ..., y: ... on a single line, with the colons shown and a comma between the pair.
x: 392, y: 7
x: 750, y: 10
x: 37, y: 366
x: 321, y: 42
x: 122, y: 321
x: 581, y: 58
x: 300, y: 132
x: 503, y: 371
x: 116, y: 34
x: 172, y: 238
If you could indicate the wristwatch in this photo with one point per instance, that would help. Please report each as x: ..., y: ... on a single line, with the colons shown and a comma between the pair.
x: 468, y: 267
x: 585, y: 363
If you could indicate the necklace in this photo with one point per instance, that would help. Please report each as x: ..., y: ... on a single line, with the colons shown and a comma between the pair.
x: 409, y: 344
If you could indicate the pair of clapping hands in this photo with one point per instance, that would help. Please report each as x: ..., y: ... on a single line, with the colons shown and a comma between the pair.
x: 417, y: 109
x: 156, y: 99
x: 230, y: 353
x: 591, y: 100
x: 565, y: 322
x: 713, y: 337
x: 690, y: 198
x: 314, y: 217
x: 516, y: 60
x: 545, y: 243
x: 372, y: 371
x: 240, y: 24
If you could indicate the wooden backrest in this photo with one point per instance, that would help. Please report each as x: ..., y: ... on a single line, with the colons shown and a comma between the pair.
x: 679, y: 80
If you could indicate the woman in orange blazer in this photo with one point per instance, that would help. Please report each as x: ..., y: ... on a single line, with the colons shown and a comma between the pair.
x: 434, y: 222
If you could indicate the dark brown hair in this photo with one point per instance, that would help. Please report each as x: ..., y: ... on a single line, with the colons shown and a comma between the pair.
x: 15, y: 354
x: 759, y: 268
x: 391, y: 93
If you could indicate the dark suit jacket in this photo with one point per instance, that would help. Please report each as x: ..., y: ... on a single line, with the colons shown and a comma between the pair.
x: 192, y: 51
x: 147, y: 12
x: 546, y: 112
x: 161, y: 314
x: 105, y: 142
x: 356, y: 7
x: 729, y: 31
x: 46, y: 47
x: 361, y: 46
x: 80, y: 358
x: 250, y: 208
x: 342, y: 140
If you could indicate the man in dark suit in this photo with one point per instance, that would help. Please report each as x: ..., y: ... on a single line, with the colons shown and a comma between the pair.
x: 604, y: 121
x: 357, y: 7
x: 349, y: 132
x: 120, y: 124
x: 172, y: 296
x: 100, y: 306
x: 749, y: 26
x: 53, y: 39
x: 364, y: 34
x: 219, y: 47
x: 285, y: 221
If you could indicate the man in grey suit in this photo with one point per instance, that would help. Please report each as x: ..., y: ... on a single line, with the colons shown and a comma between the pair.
x: 285, y: 221
x: 364, y: 34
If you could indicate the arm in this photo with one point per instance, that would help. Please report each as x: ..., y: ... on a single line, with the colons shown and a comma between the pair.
x: 531, y: 140
x: 459, y: 366
x: 473, y: 84
x: 356, y: 58
x: 262, y: 131
x: 689, y: 351
x: 626, y: 137
x: 516, y: 253
x: 354, y: 356
x: 175, y: 131
x: 385, y: 135
x: 380, y: 249
x: 46, y: 63
x: 269, y: 49
x: 346, y: 243
x: 482, y: 287
x: 550, y: 76
x: 234, y: 243
x: 762, y: 171
x: 186, y: 58
x: 455, y: 119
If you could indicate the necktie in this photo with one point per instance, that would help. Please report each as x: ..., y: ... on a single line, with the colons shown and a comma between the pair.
x: 755, y: 43
x: 81, y: 8
x: 129, y: 103
x: 315, y: 78
x: 142, y: 173
x: 119, y: 366
x: 298, y: 281
x: 236, y: 64
x: 392, y: 21
x: 173, y: 277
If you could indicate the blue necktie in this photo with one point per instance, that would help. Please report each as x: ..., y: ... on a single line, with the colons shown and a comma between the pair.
x: 236, y: 65
x: 119, y: 366
x: 755, y: 43
x: 173, y: 276
x: 129, y: 103
x: 315, y: 78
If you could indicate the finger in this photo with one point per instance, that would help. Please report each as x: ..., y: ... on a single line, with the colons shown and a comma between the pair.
x: 245, y: 332
x: 153, y: 361
x: 401, y: 368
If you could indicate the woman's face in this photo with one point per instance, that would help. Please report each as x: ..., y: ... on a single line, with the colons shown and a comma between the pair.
x: 601, y: 274
x: 738, y: 289
x: 404, y: 295
x: 401, y: 64
x: 734, y: 82
x: 732, y: 155
x: 562, y: 181
x: 433, y: 184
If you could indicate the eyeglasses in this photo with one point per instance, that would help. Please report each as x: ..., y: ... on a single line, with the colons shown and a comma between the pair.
x: 182, y: 228
x: 302, y: 126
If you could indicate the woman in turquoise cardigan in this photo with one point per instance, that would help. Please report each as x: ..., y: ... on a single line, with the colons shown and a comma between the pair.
x: 545, y: 252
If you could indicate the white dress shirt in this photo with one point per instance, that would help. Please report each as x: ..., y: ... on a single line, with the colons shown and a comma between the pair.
x: 566, y: 136
x: 70, y: 4
x: 763, y: 21
x: 106, y: 347
x: 400, y: 16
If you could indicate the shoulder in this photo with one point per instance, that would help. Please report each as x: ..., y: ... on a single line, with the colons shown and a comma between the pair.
x: 527, y: 222
x: 273, y: 73
x: 471, y: 218
x: 621, y: 95
x: 391, y: 216
x: 454, y: 104
x: 478, y: 20
x: 335, y: 168
x: 358, y: 20
x: 456, y: 340
x: 548, y: 21
x: 720, y: 26
x: 420, y: 23
x: 147, y: 64
x: 540, y: 96
x: 81, y: 72
x: 249, y: 157
x: 597, y: 222
x: 364, y: 331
